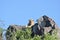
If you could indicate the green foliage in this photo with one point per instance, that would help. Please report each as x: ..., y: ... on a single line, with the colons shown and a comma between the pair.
x: 23, y: 34
x: 26, y: 35
x: 1, y: 30
x: 50, y: 37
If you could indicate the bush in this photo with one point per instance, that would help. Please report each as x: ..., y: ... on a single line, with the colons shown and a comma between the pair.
x: 26, y: 35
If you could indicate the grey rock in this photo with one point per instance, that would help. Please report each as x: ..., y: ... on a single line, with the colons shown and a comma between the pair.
x: 44, y: 25
x: 12, y: 29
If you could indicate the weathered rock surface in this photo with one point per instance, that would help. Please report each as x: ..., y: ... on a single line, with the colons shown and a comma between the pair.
x: 45, y: 25
x: 13, y: 28
x: 30, y: 23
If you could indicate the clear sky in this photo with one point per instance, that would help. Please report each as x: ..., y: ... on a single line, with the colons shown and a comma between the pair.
x: 19, y: 11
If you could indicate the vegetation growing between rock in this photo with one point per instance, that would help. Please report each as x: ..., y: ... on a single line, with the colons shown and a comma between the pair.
x: 26, y: 35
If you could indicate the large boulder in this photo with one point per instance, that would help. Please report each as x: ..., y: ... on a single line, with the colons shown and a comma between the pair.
x: 12, y: 29
x: 44, y: 25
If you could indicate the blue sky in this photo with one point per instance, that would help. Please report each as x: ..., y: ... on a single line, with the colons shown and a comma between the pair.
x: 19, y: 11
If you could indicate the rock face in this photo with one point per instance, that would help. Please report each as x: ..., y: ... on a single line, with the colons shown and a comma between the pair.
x: 12, y: 29
x: 44, y: 25
x: 30, y: 23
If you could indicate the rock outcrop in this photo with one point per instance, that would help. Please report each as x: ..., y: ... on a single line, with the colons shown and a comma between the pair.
x: 44, y: 25
x: 13, y: 28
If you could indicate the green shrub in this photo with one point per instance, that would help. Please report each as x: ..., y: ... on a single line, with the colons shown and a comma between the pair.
x: 26, y: 35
